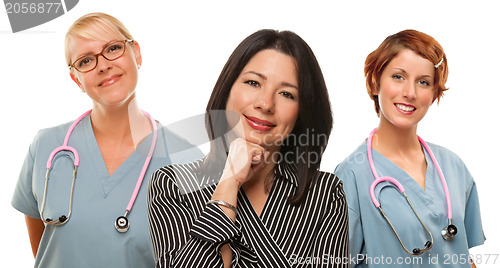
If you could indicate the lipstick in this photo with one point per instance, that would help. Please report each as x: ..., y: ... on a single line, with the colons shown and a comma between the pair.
x: 259, y: 124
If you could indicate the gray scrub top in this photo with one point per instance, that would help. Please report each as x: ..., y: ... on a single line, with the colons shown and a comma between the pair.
x: 372, y: 241
x: 89, y: 238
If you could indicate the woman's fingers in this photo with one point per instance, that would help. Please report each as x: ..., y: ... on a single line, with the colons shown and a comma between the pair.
x: 256, y: 155
x: 243, y: 158
x: 261, y: 161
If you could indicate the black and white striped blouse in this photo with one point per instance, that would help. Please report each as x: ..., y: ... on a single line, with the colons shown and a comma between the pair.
x: 187, y: 233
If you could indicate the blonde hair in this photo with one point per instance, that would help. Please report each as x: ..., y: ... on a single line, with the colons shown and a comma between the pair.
x: 96, y: 26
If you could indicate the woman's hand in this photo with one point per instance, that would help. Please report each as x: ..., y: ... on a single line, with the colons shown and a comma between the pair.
x: 244, y: 159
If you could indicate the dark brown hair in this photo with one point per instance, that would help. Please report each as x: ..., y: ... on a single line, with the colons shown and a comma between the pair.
x: 314, y: 105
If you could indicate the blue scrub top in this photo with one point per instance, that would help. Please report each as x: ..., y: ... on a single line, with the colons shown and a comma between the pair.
x: 372, y: 241
x: 89, y: 238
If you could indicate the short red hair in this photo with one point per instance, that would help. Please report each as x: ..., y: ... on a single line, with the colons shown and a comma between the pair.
x: 420, y: 43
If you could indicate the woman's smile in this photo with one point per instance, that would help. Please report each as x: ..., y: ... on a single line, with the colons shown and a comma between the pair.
x: 405, y: 108
x: 110, y: 80
x: 259, y: 124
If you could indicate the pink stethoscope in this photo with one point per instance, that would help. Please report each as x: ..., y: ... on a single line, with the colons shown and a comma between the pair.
x: 121, y: 223
x: 448, y: 232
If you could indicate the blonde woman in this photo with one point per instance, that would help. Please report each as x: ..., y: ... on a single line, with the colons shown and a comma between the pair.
x: 102, y: 221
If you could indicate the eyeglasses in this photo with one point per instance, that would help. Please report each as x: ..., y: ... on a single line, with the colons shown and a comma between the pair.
x: 111, y: 52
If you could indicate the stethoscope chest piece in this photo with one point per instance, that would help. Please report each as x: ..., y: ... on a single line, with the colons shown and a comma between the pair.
x: 121, y: 224
x: 449, y: 232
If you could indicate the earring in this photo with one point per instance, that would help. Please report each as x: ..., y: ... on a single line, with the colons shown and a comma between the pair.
x: 138, y: 66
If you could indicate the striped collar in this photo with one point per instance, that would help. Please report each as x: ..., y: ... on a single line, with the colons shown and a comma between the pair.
x: 287, y: 172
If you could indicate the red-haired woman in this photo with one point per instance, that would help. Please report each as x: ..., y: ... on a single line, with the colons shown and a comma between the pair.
x: 410, y: 202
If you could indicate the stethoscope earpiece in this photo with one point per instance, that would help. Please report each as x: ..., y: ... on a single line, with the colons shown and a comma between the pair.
x: 121, y: 224
x: 449, y: 232
x: 61, y: 220
x: 417, y: 251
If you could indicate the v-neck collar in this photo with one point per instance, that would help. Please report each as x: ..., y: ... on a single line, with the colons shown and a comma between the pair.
x: 108, y: 183
x: 258, y: 232
x: 386, y: 167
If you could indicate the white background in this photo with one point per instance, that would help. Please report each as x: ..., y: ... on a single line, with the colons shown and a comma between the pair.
x: 186, y: 43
